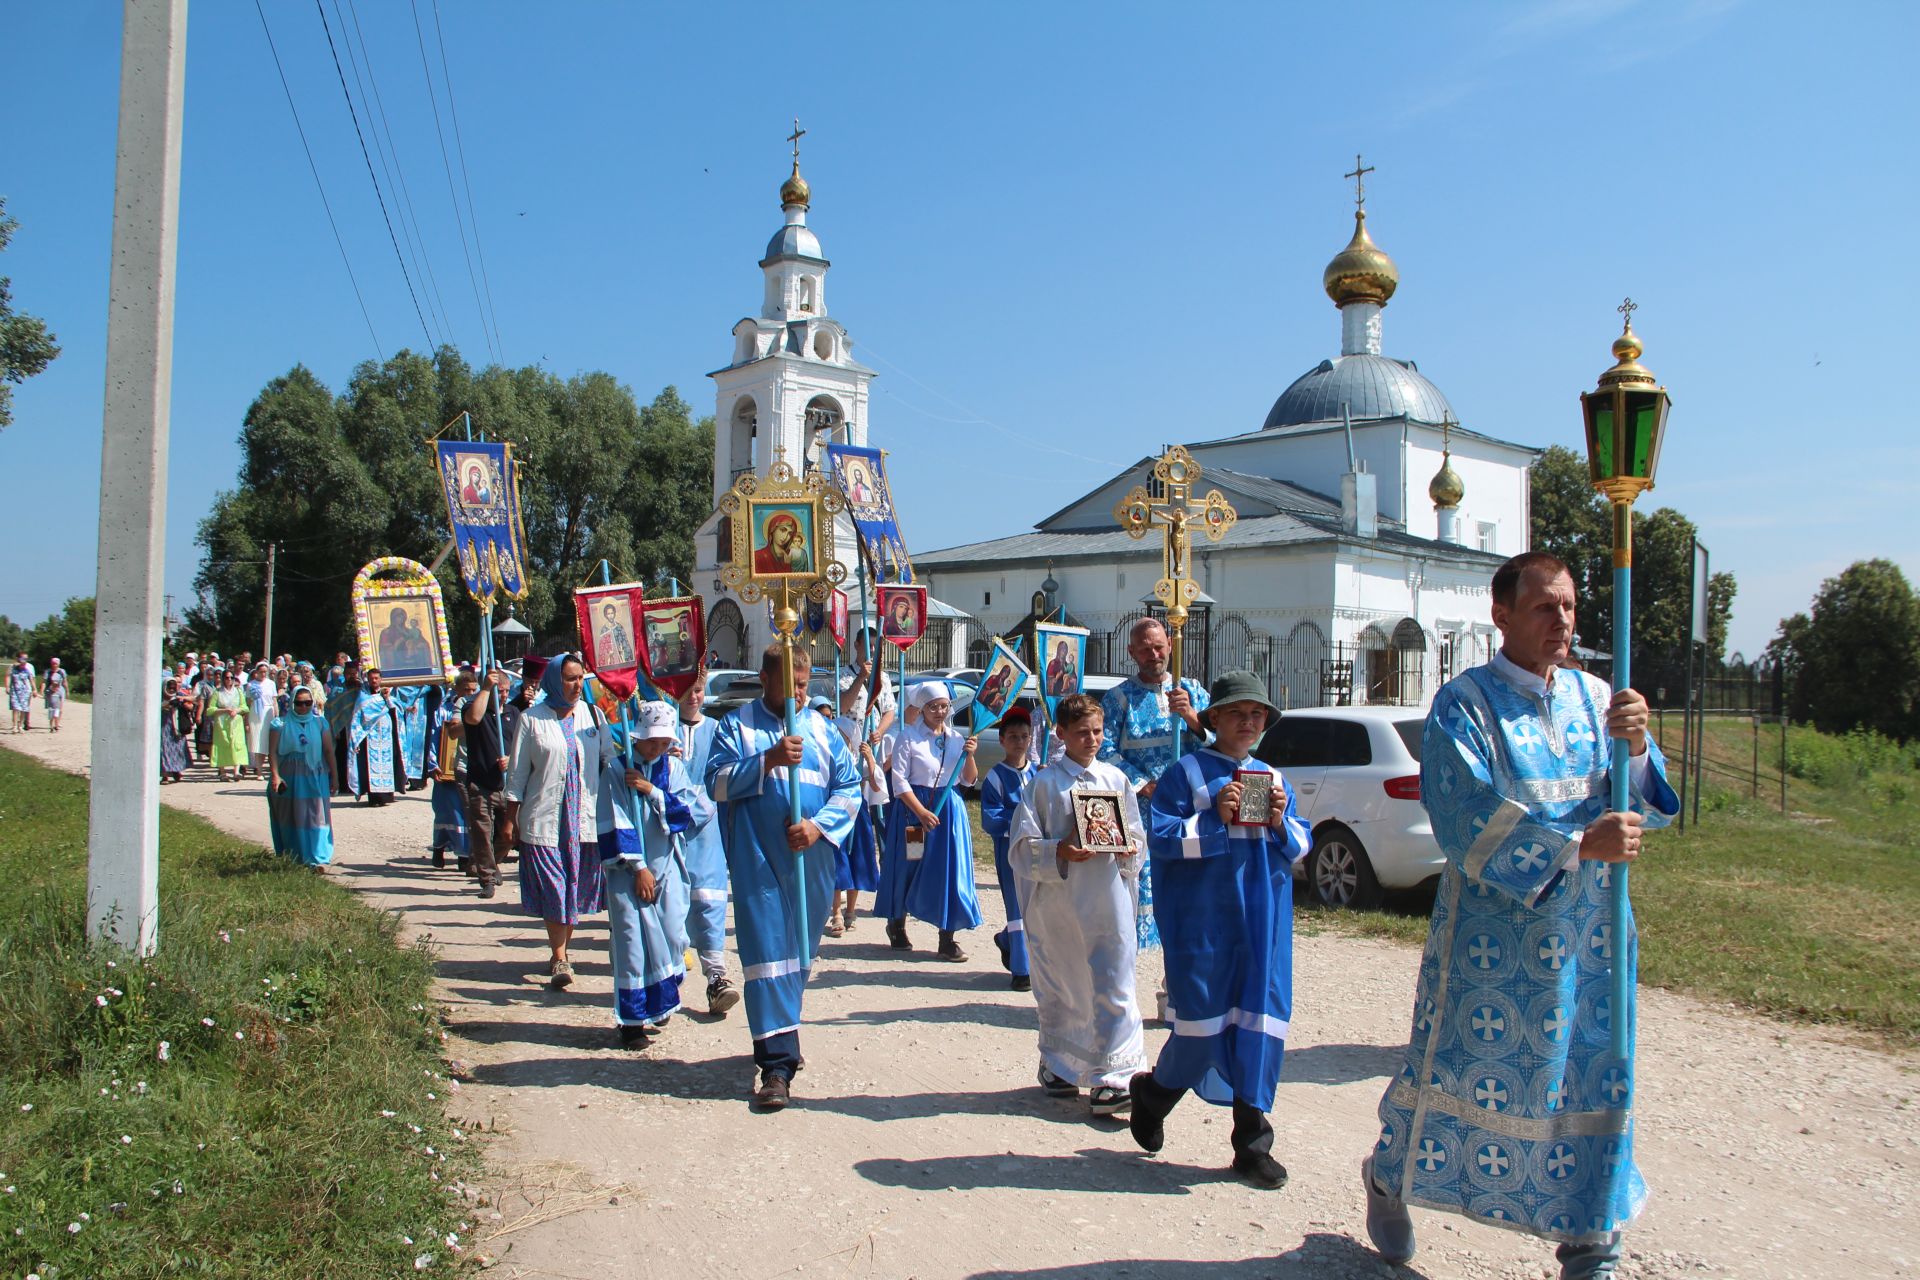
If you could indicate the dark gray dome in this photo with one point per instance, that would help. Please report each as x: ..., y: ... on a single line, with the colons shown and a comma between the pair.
x: 1369, y: 386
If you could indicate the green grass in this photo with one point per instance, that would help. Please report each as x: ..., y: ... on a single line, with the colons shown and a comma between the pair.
x: 291, y: 1128
x: 1809, y: 915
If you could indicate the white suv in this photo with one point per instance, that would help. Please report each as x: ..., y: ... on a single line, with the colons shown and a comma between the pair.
x: 1355, y: 772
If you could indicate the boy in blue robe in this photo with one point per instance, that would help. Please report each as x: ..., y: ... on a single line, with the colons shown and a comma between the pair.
x: 1511, y: 1106
x: 755, y: 766
x: 706, y: 858
x: 999, y: 796
x: 644, y: 818
x: 1225, y: 907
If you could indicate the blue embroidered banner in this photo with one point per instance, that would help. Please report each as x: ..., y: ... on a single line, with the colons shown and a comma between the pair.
x: 482, y: 488
x: 861, y: 476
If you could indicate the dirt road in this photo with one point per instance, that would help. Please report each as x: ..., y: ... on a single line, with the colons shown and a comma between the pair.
x: 919, y: 1146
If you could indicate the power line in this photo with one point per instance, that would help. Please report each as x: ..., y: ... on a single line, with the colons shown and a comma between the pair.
x: 446, y: 163
x: 368, y: 160
x: 386, y: 169
x: 446, y: 78
x: 406, y: 191
x: 324, y: 203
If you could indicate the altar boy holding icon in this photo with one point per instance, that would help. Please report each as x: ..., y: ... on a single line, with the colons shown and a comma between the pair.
x: 1225, y: 903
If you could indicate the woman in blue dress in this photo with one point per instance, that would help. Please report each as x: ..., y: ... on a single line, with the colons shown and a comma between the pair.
x: 928, y: 868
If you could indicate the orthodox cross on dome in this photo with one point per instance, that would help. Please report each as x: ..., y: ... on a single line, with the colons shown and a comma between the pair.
x: 1359, y: 176
x: 1626, y: 310
x: 794, y: 137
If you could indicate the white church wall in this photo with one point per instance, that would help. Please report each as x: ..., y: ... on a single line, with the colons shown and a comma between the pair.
x: 1495, y: 478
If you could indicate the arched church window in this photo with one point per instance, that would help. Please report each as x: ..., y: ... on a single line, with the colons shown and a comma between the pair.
x: 743, y: 433
x: 823, y: 419
x: 806, y: 293
x: 823, y: 345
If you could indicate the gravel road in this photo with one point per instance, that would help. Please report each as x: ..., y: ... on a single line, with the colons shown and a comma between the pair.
x: 919, y: 1146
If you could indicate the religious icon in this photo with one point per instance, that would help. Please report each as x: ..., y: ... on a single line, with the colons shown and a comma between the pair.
x: 783, y: 539
x: 1097, y: 822
x: 670, y: 647
x: 1256, y: 797
x: 859, y: 484
x: 1062, y: 662
x: 837, y: 617
x: 401, y: 623
x: 609, y: 640
x: 480, y: 484
x: 401, y: 645
x: 1004, y: 680
x: 903, y: 613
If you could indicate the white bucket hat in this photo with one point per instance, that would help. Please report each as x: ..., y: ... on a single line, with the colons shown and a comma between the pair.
x: 657, y: 720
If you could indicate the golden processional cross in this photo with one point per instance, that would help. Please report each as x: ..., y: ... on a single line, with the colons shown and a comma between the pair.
x: 1176, y: 512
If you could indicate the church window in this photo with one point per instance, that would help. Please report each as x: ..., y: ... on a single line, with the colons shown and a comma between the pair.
x: 1120, y: 582
x: 986, y: 599
x: 806, y: 293
x: 1488, y: 535
x: 823, y: 345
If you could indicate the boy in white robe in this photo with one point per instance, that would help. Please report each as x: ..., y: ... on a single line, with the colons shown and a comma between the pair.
x: 1078, y: 907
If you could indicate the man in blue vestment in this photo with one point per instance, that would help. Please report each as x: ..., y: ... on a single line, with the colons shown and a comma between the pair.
x: 1511, y: 1106
x: 754, y: 765
x: 706, y: 858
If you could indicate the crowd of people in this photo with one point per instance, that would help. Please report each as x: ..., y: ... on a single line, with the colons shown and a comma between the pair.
x: 1511, y: 1107
x: 24, y: 684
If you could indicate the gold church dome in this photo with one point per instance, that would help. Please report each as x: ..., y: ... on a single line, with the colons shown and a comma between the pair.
x: 1446, y: 488
x: 1361, y: 272
x: 795, y: 189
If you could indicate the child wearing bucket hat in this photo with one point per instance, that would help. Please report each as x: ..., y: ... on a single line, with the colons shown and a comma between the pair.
x: 1225, y: 901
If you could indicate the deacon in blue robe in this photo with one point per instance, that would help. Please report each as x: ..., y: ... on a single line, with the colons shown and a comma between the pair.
x: 1000, y: 796
x: 1511, y: 1106
x: 411, y: 702
x: 706, y: 857
x: 1225, y: 910
x: 752, y: 793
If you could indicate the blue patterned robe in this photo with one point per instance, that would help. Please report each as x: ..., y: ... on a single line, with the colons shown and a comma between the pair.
x: 411, y: 702
x: 374, y: 724
x: 1137, y: 739
x: 1511, y: 1106
x: 1226, y: 899
x: 753, y: 824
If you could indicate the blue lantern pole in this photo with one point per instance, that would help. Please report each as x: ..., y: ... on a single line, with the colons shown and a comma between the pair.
x: 1624, y: 1008
x: 790, y: 619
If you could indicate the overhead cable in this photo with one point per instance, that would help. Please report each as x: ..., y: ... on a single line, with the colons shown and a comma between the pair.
x: 446, y: 78
x: 446, y: 162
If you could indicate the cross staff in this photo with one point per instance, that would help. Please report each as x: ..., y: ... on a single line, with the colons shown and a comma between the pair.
x: 1176, y: 512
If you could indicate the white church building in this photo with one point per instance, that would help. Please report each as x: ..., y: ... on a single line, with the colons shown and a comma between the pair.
x: 1370, y: 523
x: 1370, y: 520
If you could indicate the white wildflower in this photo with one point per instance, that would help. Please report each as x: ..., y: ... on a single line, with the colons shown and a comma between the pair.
x: 26, y: 1106
x: 206, y: 1022
x: 166, y: 1050
x: 126, y: 1140
x: 422, y: 1262
x: 101, y: 1001
x: 73, y: 1228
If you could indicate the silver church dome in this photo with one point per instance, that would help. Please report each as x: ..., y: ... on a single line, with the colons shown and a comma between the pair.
x: 1369, y: 386
x: 794, y: 240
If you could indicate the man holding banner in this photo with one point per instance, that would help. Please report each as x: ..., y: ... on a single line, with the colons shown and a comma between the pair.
x: 755, y: 767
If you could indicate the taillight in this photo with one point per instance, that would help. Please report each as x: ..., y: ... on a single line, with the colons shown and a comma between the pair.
x: 1407, y: 788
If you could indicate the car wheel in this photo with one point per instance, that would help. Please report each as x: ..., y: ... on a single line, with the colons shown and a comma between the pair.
x: 1339, y: 871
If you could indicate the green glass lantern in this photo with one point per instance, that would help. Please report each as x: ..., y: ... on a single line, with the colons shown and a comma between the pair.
x: 1626, y: 418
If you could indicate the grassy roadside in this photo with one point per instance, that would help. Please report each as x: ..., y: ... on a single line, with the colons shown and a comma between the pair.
x: 1808, y: 915
x: 257, y: 1100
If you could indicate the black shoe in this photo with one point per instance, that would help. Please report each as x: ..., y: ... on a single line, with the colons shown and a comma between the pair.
x: 950, y: 948
x: 1021, y: 982
x: 1147, y: 1122
x: 635, y: 1037
x: 1108, y: 1101
x: 897, y: 935
x: 722, y: 995
x: 1261, y: 1170
x: 440, y: 857
x: 488, y: 888
x: 464, y: 866
x: 1055, y: 1086
x: 1006, y: 950
x: 774, y: 1092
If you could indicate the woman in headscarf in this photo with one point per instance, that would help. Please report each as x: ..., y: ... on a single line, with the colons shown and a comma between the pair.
x: 300, y: 784
x: 20, y: 691
x: 553, y: 797
x: 54, y: 690
x: 263, y: 708
x: 928, y: 869
x: 176, y: 729
x: 228, y: 712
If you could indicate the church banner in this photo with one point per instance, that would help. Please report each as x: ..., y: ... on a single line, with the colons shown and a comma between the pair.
x: 607, y: 615
x: 1004, y: 680
x: 837, y: 617
x: 861, y: 476
x: 675, y: 632
x: 481, y: 483
x: 1061, y: 655
x: 903, y: 615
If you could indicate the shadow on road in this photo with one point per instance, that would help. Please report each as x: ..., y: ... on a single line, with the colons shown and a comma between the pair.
x: 1320, y: 1256
x: 1090, y: 1169
x: 1009, y: 1102
x: 1341, y: 1063
x: 634, y: 1071
x: 990, y: 1015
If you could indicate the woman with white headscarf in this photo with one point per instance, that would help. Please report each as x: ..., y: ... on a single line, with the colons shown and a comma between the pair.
x: 927, y: 870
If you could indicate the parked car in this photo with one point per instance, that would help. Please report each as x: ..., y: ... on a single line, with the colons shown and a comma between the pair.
x: 746, y: 687
x: 722, y: 679
x: 1355, y: 774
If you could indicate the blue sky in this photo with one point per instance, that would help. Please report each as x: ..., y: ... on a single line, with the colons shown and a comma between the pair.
x: 1097, y: 226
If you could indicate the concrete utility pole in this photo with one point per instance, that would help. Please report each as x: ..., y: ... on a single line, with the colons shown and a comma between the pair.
x: 266, y: 646
x: 123, y: 839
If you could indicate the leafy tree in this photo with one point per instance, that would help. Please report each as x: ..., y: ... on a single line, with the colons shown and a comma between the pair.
x: 1853, y: 661
x: 1573, y: 522
x: 26, y: 347
x: 336, y: 481
x: 66, y: 635
x: 13, y: 637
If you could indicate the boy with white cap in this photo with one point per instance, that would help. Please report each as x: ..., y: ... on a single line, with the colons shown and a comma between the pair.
x: 647, y: 805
